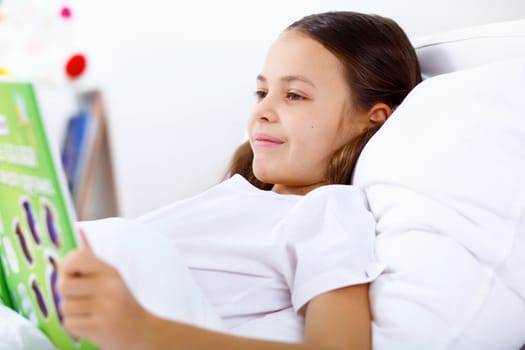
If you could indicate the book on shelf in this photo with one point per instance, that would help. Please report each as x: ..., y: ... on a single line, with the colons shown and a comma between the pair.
x: 87, y: 160
x: 36, y: 215
x: 79, y: 133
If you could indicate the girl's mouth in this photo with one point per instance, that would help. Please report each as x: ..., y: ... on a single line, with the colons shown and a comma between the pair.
x: 264, y: 140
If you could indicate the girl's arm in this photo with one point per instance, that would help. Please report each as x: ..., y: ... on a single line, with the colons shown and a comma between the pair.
x: 98, y: 306
x: 335, y: 320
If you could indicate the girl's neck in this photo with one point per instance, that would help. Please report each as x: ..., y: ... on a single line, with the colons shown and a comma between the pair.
x: 297, y: 190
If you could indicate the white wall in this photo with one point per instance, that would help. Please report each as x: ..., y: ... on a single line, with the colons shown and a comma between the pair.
x: 179, y: 77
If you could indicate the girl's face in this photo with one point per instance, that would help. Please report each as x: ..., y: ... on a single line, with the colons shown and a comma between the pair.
x: 302, y: 116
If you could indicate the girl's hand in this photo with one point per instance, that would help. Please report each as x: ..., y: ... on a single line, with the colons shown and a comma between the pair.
x: 96, y: 303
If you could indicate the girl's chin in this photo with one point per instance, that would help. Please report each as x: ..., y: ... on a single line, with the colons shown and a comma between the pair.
x: 263, y: 175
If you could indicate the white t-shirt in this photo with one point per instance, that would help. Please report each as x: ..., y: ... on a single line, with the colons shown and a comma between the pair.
x: 255, y: 253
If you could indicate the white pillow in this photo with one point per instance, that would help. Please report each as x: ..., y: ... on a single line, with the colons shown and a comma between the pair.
x: 470, y: 47
x: 445, y: 179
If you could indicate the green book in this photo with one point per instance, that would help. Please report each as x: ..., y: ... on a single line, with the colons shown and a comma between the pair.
x: 36, y: 215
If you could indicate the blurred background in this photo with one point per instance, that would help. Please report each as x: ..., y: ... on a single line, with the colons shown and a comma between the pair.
x: 177, y: 77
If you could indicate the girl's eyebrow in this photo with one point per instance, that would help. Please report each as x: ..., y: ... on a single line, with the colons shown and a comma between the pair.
x: 289, y: 78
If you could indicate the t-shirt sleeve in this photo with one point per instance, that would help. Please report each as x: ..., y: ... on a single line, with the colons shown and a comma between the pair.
x: 329, y: 243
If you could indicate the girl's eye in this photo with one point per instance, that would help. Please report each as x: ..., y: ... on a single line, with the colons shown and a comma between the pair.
x: 294, y: 97
x: 260, y: 94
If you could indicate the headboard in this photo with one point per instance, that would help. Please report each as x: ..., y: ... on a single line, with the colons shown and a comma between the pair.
x: 470, y: 47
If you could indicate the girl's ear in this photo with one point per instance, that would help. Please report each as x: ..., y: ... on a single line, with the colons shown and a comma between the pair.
x: 379, y: 113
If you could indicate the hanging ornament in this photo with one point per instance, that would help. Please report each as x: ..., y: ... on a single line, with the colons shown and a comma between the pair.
x: 65, y: 12
x: 75, y: 66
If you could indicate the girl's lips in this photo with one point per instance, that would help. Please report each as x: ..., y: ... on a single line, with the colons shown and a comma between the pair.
x: 265, y: 140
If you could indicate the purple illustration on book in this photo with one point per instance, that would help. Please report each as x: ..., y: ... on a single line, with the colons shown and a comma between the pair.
x: 31, y: 221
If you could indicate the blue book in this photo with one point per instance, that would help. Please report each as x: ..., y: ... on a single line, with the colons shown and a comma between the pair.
x: 75, y: 148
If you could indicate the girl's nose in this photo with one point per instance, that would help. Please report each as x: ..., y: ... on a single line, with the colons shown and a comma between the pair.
x: 265, y: 111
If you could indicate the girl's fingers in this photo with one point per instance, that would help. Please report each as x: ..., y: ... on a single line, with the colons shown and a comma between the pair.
x: 81, y: 327
x: 73, y: 286
x: 84, y: 240
x: 76, y: 307
x: 78, y: 262
x: 82, y: 262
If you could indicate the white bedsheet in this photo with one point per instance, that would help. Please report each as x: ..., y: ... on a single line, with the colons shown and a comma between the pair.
x: 17, y: 333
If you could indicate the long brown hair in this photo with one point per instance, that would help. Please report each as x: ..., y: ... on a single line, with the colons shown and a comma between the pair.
x: 380, y: 66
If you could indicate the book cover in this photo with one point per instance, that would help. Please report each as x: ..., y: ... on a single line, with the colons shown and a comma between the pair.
x: 4, y: 294
x: 36, y: 216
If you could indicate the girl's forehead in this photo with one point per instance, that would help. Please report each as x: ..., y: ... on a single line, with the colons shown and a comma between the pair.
x: 297, y: 53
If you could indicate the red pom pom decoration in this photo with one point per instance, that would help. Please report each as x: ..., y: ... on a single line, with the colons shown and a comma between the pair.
x: 75, y: 66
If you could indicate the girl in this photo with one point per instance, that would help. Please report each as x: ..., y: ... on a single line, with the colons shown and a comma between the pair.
x: 284, y: 235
